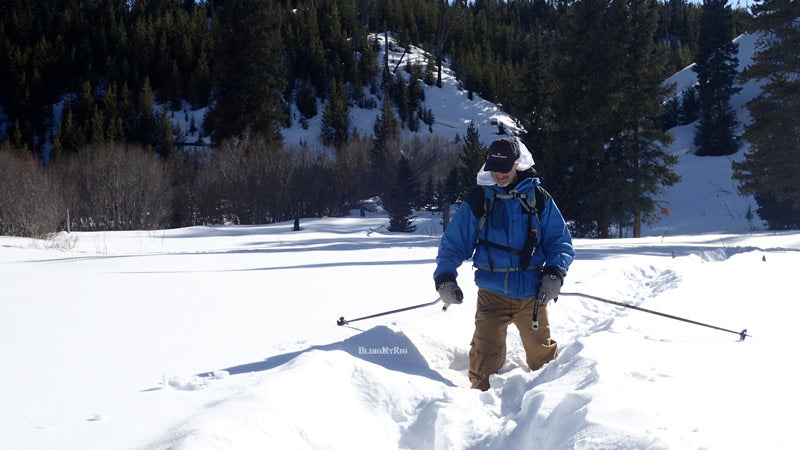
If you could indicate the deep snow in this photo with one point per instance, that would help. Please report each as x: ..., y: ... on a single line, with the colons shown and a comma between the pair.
x: 226, y: 337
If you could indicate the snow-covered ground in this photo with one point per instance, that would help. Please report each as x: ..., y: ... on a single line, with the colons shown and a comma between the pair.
x: 226, y: 337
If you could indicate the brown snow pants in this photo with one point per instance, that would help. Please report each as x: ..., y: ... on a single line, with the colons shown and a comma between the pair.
x: 488, y: 352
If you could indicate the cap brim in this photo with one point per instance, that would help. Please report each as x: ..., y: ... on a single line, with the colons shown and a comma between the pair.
x: 496, y: 165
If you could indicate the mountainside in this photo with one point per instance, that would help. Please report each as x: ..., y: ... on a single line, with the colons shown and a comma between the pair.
x: 451, y: 106
x: 706, y: 200
x: 714, y: 204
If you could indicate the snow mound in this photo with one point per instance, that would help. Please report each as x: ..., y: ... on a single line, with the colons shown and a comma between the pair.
x: 381, y: 345
x: 329, y: 398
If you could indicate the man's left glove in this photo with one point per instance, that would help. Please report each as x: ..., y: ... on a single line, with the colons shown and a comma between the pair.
x: 550, y: 284
x: 448, y: 289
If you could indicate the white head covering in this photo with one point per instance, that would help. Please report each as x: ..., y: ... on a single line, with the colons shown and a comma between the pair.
x: 524, y: 162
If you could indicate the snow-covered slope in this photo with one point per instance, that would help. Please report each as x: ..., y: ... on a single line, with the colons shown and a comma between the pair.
x: 710, y: 200
x: 706, y: 200
x: 451, y: 107
x: 450, y: 104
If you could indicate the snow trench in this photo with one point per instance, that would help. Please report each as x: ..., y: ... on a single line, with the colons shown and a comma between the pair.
x: 377, y: 389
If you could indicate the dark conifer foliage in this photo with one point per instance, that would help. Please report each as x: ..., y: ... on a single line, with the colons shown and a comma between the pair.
x: 248, y: 70
x: 638, y: 152
x: 472, y: 157
x: 498, y: 49
x: 716, y: 70
x: 586, y: 114
x: 597, y: 136
x: 50, y: 48
x: 386, y: 130
x: 404, y: 192
x: 335, y: 118
x: 582, y: 77
x: 771, y: 169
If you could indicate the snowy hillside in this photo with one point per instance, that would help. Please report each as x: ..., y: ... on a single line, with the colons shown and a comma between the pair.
x: 706, y: 200
x: 451, y: 106
x: 713, y: 205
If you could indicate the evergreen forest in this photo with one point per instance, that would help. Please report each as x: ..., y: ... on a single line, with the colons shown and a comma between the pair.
x: 88, y: 90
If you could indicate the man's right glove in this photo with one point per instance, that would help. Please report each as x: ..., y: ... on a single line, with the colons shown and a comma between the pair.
x: 448, y: 289
x: 549, y: 284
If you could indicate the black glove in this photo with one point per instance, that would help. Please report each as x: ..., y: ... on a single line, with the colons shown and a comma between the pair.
x: 549, y: 285
x: 448, y: 289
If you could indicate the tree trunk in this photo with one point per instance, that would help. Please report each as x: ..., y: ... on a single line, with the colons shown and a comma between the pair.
x: 442, y: 30
x: 638, y: 191
x: 445, y: 217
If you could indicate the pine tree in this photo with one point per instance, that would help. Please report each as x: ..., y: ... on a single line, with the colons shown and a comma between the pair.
x: 145, y: 130
x: 367, y: 65
x: 309, y: 60
x: 166, y: 137
x: 17, y: 138
x: 428, y: 200
x: 586, y: 114
x: 416, y: 93
x: 306, y: 100
x: 248, y: 70
x: 472, y: 157
x: 84, y: 105
x: 404, y: 192
x: 771, y: 168
x: 716, y: 70
x: 386, y: 131
x: 96, y: 129
x: 678, y: 31
x: 113, y: 123
x: 401, y: 98
x: 335, y: 118
x: 537, y: 92
x: 638, y: 152
x: 689, y: 107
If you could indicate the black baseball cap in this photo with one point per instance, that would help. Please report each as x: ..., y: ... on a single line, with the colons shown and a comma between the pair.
x: 502, y: 155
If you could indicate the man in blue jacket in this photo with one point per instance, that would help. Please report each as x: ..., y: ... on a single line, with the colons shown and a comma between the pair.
x: 521, y: 248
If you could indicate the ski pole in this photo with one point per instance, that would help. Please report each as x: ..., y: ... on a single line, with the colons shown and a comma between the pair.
x: 342, y: 320
x: 742, y: 334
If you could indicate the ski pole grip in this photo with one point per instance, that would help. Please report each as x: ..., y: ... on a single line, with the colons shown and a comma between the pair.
x: 535, y: 324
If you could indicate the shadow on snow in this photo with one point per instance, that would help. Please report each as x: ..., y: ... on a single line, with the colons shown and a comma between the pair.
x: 380, y: 345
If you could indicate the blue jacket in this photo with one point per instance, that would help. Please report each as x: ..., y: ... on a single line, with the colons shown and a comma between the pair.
x: 507, y: 226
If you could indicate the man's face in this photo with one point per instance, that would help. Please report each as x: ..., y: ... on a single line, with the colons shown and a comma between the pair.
x: 503, y: 179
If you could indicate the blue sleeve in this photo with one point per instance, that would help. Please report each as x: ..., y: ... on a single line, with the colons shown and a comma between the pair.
x: 458, y: 241
x: 556, y: 240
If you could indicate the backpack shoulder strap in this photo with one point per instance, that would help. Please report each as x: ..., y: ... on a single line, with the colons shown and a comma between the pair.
x: 540, y: 196
x: 476, y: 199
